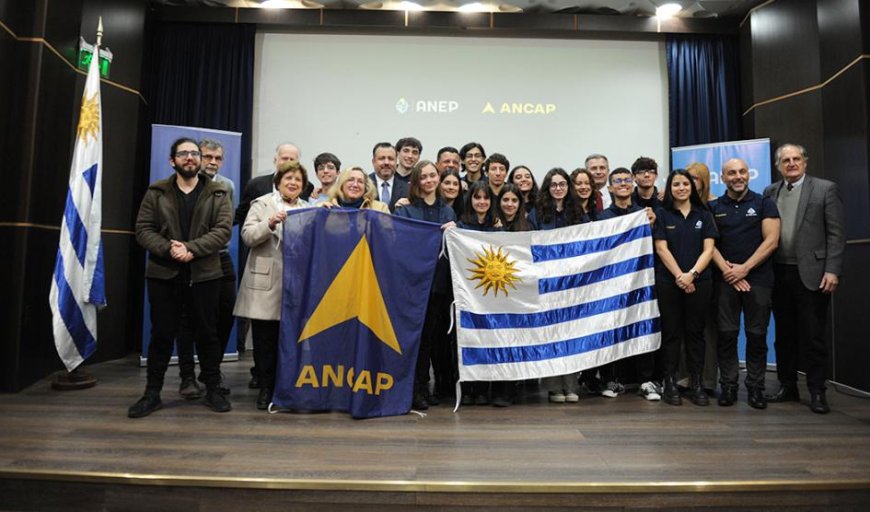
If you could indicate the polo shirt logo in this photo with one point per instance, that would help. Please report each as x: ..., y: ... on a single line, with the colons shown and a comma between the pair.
x: 699, y: 225
x: 751, y: 213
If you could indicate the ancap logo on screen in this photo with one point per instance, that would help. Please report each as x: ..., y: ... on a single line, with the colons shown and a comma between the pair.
x: 449, y: 106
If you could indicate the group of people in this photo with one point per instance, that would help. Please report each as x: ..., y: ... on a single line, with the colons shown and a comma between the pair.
x: 716, y: 257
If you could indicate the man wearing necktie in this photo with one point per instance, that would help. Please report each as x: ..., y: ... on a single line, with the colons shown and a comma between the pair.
x: 807, y: 266
x: 388, y: 187
x: 599, y: 167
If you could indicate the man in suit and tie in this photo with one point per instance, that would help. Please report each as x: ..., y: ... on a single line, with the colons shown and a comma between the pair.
x: 389, y: 189
x: 262, y: 185
x: 807, y: 266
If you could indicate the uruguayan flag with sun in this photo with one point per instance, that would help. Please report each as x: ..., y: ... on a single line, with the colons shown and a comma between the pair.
x: 543, y: 303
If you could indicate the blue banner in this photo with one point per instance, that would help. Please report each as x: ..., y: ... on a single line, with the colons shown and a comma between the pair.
x: 356, y: 286
x: 756, y: 153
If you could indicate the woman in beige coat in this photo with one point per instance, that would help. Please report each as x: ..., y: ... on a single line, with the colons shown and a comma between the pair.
x: 260, y: 291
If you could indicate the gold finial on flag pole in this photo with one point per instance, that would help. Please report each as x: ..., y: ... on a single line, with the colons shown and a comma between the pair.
x: 100, y: 31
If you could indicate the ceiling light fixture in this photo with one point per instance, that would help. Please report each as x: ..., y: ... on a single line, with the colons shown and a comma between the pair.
x: 668, y: 10
x: 474, y: 7
x: 405, y: 5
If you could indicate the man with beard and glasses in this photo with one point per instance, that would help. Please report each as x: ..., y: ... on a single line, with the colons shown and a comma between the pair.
x: 183, y: 222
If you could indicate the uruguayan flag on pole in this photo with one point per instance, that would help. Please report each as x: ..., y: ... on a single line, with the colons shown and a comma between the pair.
x: 78, y: 288
x: 545, y: 303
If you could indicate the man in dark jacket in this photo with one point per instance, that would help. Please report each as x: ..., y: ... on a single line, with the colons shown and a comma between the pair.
x: 183, y: 222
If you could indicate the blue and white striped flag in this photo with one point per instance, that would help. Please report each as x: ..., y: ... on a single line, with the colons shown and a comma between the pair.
x: 78, y: 286
x: 545, y: 303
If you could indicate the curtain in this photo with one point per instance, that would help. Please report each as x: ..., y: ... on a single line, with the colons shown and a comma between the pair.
x: 703, y: 89
x: 203, y: 75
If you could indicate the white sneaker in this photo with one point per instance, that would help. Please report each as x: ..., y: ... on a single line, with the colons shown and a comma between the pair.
x: 613, y: 389
x: 557, y: 398
x: 572, y: 397
x: 650, y: 391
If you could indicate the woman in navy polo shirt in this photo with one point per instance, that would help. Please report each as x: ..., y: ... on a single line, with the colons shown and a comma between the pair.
x: 685, y: 235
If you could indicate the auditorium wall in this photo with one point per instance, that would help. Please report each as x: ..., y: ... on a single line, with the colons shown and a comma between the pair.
x: 40, y: 94
x: 804, y: 64
x: 806, y: 69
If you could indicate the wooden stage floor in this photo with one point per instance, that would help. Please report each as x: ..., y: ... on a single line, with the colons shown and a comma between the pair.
x: 78, y: 451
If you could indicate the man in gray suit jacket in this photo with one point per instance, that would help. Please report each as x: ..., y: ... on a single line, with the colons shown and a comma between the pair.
x: 807, y: 267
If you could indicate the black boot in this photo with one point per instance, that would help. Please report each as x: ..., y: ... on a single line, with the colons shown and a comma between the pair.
x: 697, y: 394
x: 728, y: 396
x: 671, y: 394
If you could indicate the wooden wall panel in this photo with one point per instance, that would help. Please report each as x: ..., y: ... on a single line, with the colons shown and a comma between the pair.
x: 785, y: 51
x: 41, y: 105
x: 850, y: 355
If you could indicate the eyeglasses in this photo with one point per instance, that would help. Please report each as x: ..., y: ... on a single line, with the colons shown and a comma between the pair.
x: 644, y: 171
x: 326, y: 167
x: 622, y: 181
x: 559, y: 184
x: 185, y: 154
x: 216, y: 158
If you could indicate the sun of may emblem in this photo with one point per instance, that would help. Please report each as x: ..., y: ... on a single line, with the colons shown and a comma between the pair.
x: 89, y: 118
x: 494, y: 269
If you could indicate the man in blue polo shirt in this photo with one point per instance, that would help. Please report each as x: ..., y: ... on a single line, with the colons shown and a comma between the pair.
x: 748, y: 234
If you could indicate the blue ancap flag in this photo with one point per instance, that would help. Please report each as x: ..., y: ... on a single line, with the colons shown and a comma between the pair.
x: 356, y: 285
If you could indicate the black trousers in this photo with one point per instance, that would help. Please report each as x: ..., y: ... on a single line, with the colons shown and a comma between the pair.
x: 801, y: 316
x: 264, y: 335
x: 755, y: 306
x: 436, y: 347
x: 683, y: 318
x: 168, y: 299
x: 442, y: 345
x: 225, y: 319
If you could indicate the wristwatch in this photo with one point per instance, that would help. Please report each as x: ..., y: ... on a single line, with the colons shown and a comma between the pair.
x: 694, y: 273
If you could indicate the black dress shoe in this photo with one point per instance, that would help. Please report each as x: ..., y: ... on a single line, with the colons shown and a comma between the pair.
x: 432, y: 399
x: 785, y: 394
x: 264, y: 398
x: 756, y: 399
x: 419, y: 403
x: 481, y: 400
x: 467, y: 400
x: 217, y: 401
x: 818, y: 403
x: 728, y: 396
x: 149, y: 403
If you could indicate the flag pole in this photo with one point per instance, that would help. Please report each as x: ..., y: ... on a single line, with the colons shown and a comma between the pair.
x: 68, y: 380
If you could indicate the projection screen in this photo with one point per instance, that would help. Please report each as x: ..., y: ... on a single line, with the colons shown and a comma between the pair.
x: 542, y: 102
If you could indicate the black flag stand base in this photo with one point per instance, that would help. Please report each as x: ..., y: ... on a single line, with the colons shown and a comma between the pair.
x: 76, y: 379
